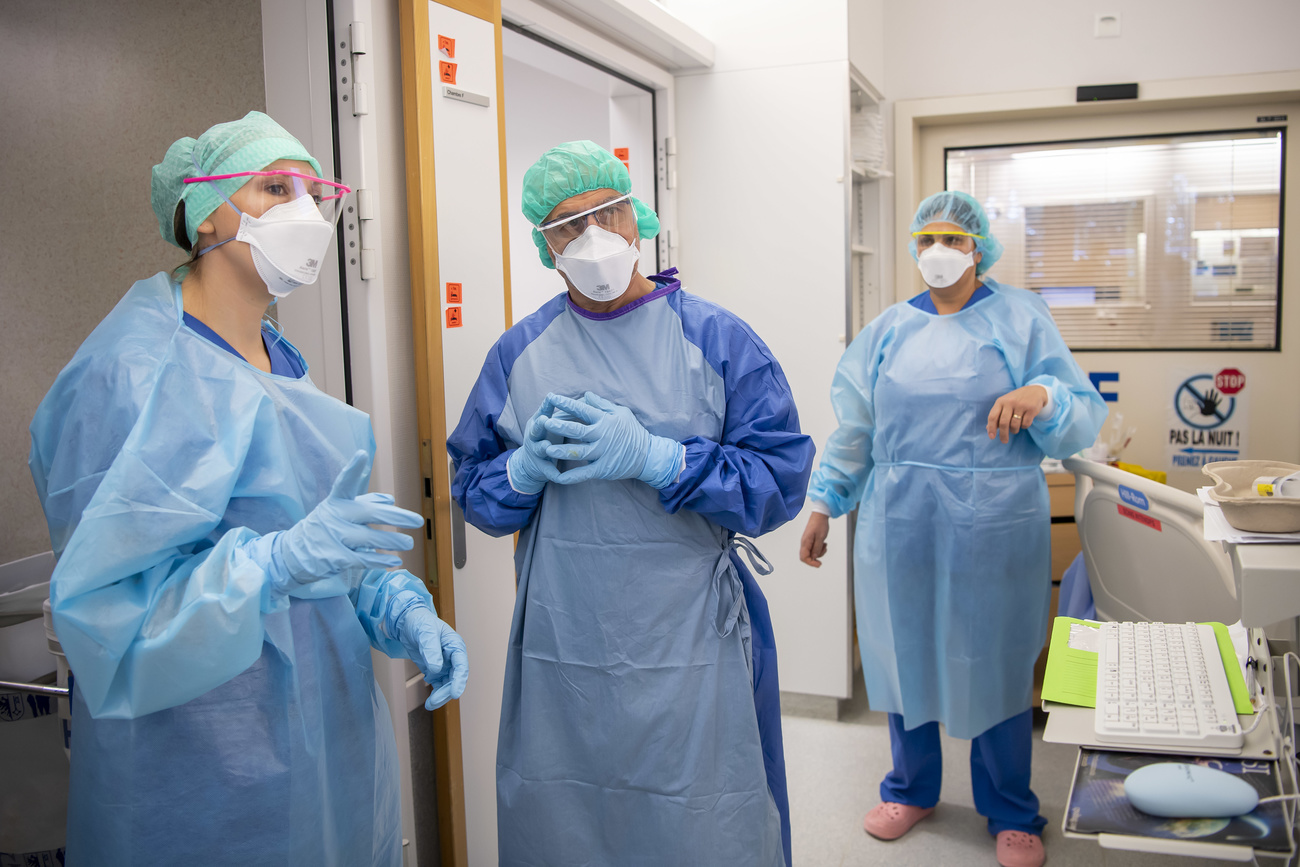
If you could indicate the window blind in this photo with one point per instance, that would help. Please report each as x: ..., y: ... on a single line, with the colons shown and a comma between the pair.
x: 1153, y: 242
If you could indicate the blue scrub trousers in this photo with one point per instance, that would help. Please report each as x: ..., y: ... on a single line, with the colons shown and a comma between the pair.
x: 999, y: 771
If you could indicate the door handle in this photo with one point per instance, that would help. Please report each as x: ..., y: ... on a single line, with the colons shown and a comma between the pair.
x: 457, y: 528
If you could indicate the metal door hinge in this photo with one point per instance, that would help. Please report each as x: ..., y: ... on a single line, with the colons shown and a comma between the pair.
x: 359, y: 37
x: 668, y: 163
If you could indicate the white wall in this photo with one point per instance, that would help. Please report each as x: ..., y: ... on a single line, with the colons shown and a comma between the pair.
x: 867, y: 38
x: 762, y: 209
x: 950, y: 48
x: 768, y: 34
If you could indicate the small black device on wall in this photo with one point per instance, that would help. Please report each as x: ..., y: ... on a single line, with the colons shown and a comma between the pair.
x: 1099, y: 92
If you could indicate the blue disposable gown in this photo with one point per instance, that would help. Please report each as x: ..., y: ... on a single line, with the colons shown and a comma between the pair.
x: 952, y: 566
x: 213, y: 721
x: 632, y: 729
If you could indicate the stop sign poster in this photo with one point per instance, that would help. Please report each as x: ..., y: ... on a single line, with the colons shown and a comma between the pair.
x: 1207, y: 416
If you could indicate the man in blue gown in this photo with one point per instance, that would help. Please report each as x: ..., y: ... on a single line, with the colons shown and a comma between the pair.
x: 629, y: 431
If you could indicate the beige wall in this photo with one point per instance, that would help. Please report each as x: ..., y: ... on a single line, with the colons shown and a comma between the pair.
x: 93, y: 93
x: 954, y: 48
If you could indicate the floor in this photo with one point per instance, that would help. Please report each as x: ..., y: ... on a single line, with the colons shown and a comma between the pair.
x: 834, y: 769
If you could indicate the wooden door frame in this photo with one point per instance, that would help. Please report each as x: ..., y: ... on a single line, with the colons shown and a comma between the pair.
x: 426, y: 324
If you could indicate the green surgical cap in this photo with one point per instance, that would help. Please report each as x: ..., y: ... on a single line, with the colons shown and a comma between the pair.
x: 246, y: 145
x: 571, y: 169
x: 960, y: 209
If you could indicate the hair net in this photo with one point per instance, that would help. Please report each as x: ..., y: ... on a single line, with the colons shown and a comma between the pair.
x: 962, y: 210
x: 246, y: 145
x: 570, y: 169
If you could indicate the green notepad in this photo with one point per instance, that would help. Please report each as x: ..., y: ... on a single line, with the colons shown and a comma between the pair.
x: 1071, y: 676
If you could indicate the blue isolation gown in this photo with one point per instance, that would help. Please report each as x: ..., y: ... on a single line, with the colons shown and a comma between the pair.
x: 640, y: 723
x: 214, y: 722
x: 952, y: 564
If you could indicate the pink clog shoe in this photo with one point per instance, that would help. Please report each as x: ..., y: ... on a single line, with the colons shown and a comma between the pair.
x: 1019, y: 849
x: 889, y: 820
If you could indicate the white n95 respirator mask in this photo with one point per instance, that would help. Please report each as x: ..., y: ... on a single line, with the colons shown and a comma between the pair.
x: 289, y: 243
x: 942, y: 266
x: 598, y: 263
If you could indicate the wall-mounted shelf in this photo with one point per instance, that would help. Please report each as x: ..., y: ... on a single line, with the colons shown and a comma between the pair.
x: 865, y: 174
x: 865, y: 154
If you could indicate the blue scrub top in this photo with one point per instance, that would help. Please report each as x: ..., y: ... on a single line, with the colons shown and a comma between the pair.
x: 282, y: 362
x: 926, y: 303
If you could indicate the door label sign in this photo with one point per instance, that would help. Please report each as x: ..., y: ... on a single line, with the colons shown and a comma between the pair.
x: 1133, y: 497
x: 465, y: 96
x: 1207, y: 418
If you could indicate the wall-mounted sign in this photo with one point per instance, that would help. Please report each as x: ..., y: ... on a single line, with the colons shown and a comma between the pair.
x: 1207, y: 418
x: 1099, y: 379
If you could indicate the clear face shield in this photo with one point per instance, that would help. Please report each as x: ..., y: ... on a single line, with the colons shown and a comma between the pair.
x: 265, y: 189
x: 617, y: 216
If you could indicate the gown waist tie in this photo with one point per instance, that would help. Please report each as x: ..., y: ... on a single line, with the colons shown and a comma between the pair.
x: 728, y: 589
x: 1014, y: 469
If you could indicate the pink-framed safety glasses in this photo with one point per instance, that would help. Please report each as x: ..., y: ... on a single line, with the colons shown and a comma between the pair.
x: 266, y: 189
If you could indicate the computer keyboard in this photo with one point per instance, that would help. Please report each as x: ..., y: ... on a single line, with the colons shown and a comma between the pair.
x: 1163, y: 684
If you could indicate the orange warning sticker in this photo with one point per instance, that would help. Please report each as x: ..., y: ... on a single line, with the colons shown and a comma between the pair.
x: 1151, y: 522
x: 621, y: 153
x: 447, y: 72
x: 447, y: 45
x: 453, y: 317
x: 453, y: 293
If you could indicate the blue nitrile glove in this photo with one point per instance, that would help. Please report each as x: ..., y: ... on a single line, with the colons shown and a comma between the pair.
x: 615, y: 443
x: 433, y: 646
x: 528, y: 468
x: 335, y: 539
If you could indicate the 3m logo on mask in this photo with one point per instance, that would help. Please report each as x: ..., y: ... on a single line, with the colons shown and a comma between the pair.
x: 602, y: 287
x: 313, y: 264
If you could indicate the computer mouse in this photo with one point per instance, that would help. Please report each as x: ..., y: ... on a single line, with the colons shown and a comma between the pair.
x: 1178, y: 790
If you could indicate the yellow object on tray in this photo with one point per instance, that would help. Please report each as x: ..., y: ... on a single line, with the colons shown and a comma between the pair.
x: 1154, y: 475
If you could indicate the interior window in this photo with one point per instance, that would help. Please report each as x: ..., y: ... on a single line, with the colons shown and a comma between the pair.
x: 1153, y: 242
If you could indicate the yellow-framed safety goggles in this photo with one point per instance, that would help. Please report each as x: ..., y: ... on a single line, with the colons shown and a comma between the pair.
x: 963, y: 234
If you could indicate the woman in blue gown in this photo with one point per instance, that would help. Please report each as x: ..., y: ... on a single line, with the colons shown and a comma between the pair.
x: 218, y: 587
x: 629, y: 431
x: 946, y: 405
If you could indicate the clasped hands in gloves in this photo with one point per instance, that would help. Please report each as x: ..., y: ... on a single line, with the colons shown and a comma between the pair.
x: 605, y: 434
